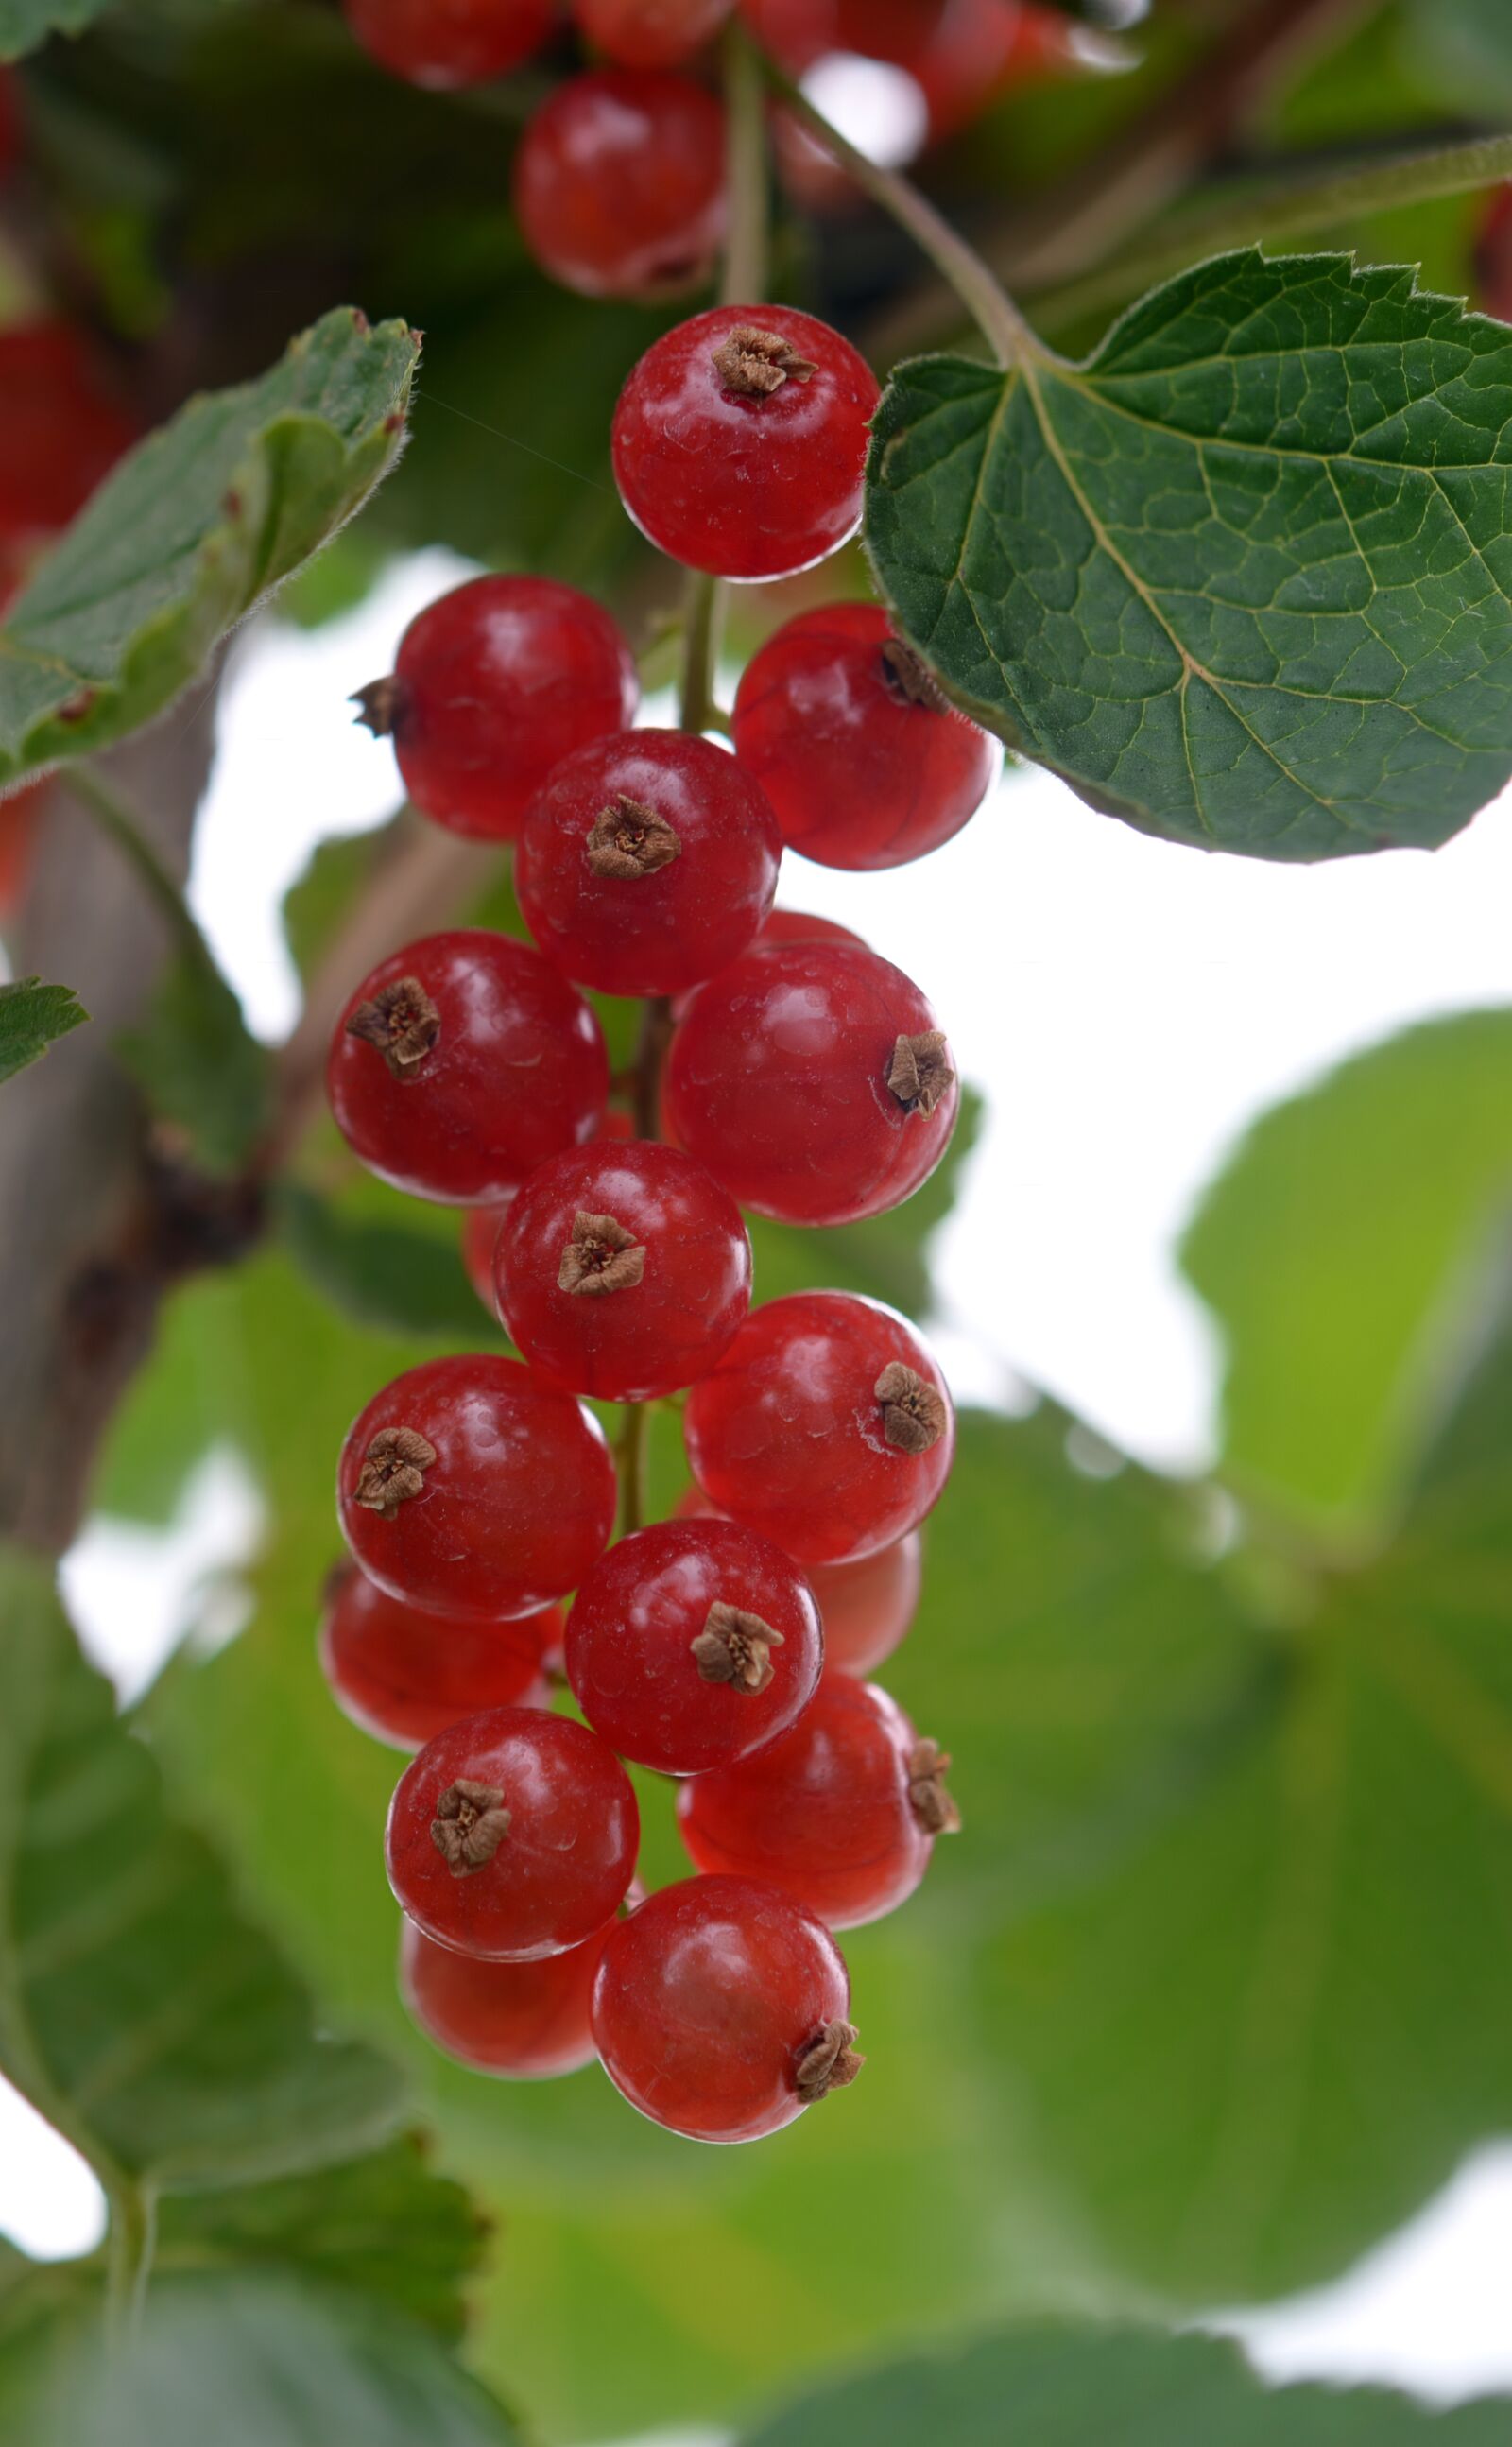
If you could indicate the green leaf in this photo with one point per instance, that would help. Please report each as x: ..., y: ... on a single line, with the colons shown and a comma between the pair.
x: 24, y: 23
x: 1062, y: 2387
x: 32, y: 1017
x: 1461, y: 50
x: 1243, y: 577
x: 1333, y: 1248
x: 198, y: 1065
x: 380, y: 1275
x: 193, y: 528
x: 139, y: 2012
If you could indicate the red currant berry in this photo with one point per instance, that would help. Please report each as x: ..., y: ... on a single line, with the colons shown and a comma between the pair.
x: 61, y: 432
x: 465, y: 1487
x: 813, y: 1081
x: 623, y: 1271
x: 647, y: 863
x: 449, y: 43
x: 1493, y: 255
x: 651, y: 34
x: 826, y: 1426
x: 721, y: 2010
x: 866, y: 1607
x: 841, y: 1813
x: 783, y: 926
x: 740, y: 441
x: 404, y: 1676
x: 693, y: 1643
x: 619, y: 184
x: 9, y: 122
x: 461, y: 1063
x: 865, y: 764
x: 494, y: 684
x: 513, y: 1835
x: 520, y: 2021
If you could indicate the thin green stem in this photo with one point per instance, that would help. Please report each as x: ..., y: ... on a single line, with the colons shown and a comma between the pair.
x: 631, y: 1459
x: 128, y: 2258
x: 986, y: 302
x: 120, y: 823
x: 703, y: 625
x: 746, y: 174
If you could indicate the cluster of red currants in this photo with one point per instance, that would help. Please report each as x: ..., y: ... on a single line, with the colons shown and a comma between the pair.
x: 803, y: 1077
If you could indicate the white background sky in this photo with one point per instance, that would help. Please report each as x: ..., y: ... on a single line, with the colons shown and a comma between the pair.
x: 1127, y: 1008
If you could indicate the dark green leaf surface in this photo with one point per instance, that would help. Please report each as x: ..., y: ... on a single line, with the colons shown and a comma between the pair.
x: 32, y: 1017
x: 23, y: 23
x: 139, y: 2012
x: 194, y: 527
x: 380, y: 1275
x: 1244, y: 577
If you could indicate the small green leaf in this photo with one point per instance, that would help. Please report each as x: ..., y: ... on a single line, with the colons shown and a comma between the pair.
x: 1245, y: 576
x: 197, y: 1064
x: 193, y: 528
x: 32, y: 1017
x: 380, y: 1275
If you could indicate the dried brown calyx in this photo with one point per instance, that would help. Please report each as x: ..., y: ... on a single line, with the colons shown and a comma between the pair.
x: 469, y: 1826
x: 919, y: 1072
x: 929, y: 1796
x: 829, y: 2063
x: 628, y: 839
x: 735, y: 1647
x: 379, y: 706
x: 600, y: 1256
x: 402, y: 1022
x: 913, y: 1413
x: 394, y: 1470
x: 753, y: 363
x: 908, y: 677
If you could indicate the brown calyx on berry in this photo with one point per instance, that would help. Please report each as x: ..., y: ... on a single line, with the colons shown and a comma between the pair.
x: 469, y: 1826
x: 628, y: 839
x: 735, y: 1647
x: 402, y: 1022
x: 394, y: 1470
x: 600, y: 1256
x: 829, y: 2063
x: 907, y: 676
x: 753, y: 363
x: 929, y: 1796
x: 919, y: 1072
x: 914, y: 1413
x: 380, y: 705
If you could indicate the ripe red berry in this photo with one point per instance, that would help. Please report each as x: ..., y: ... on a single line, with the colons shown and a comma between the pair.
x: 494, y: 684
x: 866, y: 1607
x: 513, y: 1835
x: 865, y: 764
x: 651, y: 34
x: 623, y: 1271
x: 740, y: 441
x: 449, y: 43
x: 462, y: 1062
x: 647, y: 863
x: 721, y: 2010
x: 841, y: 1813
x: 813, y: 1081
x: 522, y: 2021
x: 619, y: 184
x: 465, y: 1487
x: 826, y: 1426
x: 61, y: 432
x: 693, y: 1643
x: 404, y: 1676
x: 1492, y: 254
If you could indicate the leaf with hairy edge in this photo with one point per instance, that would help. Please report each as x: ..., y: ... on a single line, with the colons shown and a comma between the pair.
x: 32, y: 1017
x: 139, y: 2013
x: 1244, y: 577
x: 190, y: 530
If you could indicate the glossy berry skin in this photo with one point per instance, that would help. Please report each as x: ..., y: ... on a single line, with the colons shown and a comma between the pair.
x: 647, y: 863
x: 651, y: 34
x: 790, y: 1434
x: 446, y: 44
x: 404, y: 1676
x: 783, y: 1080
x: 632, y: 1635
x: 710, y: 2003
x: 493, y: 685
x: 728, y: 479
x: 826, y: 1814
x: 547, y: 1880
x: 864, y: 764
x: 520, y: 2021
x: 867, y: 1607
x: 784, y: 926
x: 508, y: 1069
x: 640, y: 1308
x: 515, y: 1503
x: 619, y: 184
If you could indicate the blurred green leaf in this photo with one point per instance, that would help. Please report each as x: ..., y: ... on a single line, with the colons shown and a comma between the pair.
x: 197, y: 1064
x: 1462, y: 52
x: 32, y: 1017
x: 23, y: 23
x: 380, y: 1275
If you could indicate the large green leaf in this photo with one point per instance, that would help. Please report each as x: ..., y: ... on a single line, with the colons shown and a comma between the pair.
x: 382, y: 1274
x: 1331, y: 1250
x: 139, y: 2012
x: 1243, y: 577
x: 1462, y: 52
x: 32, y: 1017
x: 193, y: 528
x: 1071, y: 2387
